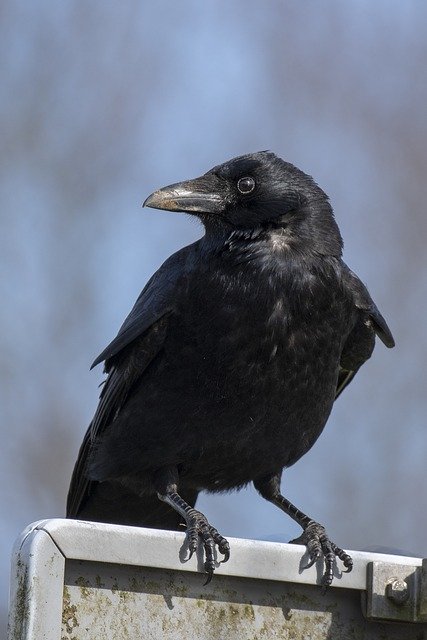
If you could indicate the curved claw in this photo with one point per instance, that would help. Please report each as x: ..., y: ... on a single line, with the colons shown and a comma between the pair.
x: 343, y: 556
x: 318, y: 544
x: 347, y: 561
x: 198, y: 528
x: 312, y: 561
x: 226, y: 554
x: 192, y: 545
x: 223, y: 546
x: 209, y: 577
x: 348, y: 567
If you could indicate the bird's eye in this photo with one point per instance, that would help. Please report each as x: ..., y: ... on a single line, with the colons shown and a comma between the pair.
x: 246, y: 185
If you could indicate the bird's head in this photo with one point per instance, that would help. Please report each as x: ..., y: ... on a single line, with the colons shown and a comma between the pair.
x: 256, y: 191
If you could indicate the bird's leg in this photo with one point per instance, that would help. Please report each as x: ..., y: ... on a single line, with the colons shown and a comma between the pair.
x: 197, y: 523
x: 314, y: 536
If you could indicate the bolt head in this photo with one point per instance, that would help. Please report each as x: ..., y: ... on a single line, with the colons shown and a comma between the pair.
x: 397, y: 591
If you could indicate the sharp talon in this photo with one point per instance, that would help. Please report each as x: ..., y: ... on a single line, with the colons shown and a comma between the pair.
x: 226, y: 556
x: 318, y: 544
x: 198, y: 528
x: 311, y: 562
x: 209, y: 578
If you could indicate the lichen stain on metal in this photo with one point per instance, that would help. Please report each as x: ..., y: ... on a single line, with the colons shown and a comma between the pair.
x: 84, y: 586
x: 135, y: 602
x: 69, y: 611
x: 141, y: 605
x: 234, y: 620
x: 98, y: 582
x: 21, y: 612
x: 93, y: 601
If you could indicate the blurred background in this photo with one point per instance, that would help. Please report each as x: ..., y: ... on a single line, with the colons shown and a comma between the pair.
x: 104, y: 102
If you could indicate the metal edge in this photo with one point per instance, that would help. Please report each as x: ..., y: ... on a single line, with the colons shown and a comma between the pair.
x: 422, y: 612
x: 36, y: 586
x: 100, y: 542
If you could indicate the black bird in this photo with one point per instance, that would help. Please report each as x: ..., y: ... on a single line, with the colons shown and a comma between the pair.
x: 227, y: 367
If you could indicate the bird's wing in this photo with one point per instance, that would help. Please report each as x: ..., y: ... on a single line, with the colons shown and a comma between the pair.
x: 361, y: 340
x: 122, y: 376
x: 137, y: 343
x: 156, y: 299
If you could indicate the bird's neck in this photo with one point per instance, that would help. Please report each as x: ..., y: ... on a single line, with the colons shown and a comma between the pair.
x: 311, y: 230
x: 316, y: 229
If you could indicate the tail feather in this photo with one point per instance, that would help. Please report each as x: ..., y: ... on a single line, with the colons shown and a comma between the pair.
x: 109, y: 502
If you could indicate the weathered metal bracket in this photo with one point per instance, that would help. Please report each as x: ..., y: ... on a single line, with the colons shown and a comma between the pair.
x: 396, y: 592
x: 80, y: 581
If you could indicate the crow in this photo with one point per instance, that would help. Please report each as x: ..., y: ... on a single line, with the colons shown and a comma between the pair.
x: 227, y: 367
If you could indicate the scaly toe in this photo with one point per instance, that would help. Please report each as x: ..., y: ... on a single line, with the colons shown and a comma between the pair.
x: 318, y: 544
x: 343, y: 556
x: 223, y: 544
x: 199, y: 527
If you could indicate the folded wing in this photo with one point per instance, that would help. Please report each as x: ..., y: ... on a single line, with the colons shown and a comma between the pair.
x: 361, y: 340
x: 137, y: 344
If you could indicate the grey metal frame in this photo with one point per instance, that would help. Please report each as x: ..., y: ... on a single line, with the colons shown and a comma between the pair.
x: 41, y: 552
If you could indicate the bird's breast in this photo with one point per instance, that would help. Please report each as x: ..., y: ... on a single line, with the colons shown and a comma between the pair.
x: 247, y: 375
x: 263, y: 331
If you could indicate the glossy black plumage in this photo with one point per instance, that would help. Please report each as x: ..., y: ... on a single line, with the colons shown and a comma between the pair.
x: 227, y: 367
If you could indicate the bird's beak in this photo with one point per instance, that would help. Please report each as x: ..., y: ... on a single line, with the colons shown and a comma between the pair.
x: 201, y: 195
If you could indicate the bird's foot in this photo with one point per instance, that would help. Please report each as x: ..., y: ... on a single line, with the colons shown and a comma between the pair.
x: 315, y: 538
x: 198, y: 525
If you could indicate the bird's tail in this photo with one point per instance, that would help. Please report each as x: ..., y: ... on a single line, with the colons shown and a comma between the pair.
x: 110, y: 502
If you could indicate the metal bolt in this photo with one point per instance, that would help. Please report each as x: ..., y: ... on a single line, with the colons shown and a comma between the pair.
x: 397, y: 591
